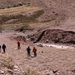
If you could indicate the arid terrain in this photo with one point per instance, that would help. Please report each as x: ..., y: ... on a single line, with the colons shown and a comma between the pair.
x: 51, y: 60
x: 49, y: 25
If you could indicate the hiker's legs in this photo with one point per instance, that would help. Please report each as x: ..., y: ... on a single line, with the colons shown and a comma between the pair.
x: 0, y: 50
x: 35, y: 54
x: 4, y: 50
x: 19, y: 47
x: 28, y: 53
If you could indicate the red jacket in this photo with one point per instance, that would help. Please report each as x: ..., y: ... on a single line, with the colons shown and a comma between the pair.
x: 18, y: 43
x: 34, y: 49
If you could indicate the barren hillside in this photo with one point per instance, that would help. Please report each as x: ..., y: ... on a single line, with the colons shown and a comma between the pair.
x: 54, y: 10
x: 19, y: 14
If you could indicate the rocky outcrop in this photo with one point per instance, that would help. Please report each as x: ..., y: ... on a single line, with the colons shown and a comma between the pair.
x: 54, y: 36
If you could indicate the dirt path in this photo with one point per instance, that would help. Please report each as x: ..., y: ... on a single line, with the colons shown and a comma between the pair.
x: 47, y: 57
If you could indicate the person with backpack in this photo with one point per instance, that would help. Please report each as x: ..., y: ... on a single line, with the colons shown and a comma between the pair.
x: 4, y: 47
x: 18, y: 45
x: 28, y: 50
x: 34, y: 51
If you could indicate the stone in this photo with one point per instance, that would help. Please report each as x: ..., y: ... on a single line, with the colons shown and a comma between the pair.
x: 51, y: 72
x: 1, y: 72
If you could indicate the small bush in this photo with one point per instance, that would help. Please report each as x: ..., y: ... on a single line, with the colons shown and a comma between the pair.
x: 7, y: 61
x: 30, y: 71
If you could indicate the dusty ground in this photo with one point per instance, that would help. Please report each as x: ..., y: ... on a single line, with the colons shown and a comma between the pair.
x: 57, y: 15
x: 47, y: 58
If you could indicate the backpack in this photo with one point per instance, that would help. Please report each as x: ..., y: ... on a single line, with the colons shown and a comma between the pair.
x: 34, y: 49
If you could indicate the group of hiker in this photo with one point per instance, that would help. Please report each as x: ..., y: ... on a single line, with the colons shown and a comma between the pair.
x: 28, y: 49
x: 3, y: 47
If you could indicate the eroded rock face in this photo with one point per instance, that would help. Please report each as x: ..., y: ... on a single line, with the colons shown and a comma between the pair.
x: 54, y: 36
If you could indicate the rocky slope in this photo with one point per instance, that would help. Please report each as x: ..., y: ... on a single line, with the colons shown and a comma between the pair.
x: 54, y: 36
x: 54, y: 10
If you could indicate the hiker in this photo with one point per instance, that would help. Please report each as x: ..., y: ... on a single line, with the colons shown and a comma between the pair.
x: 0, y: 48
x: 28, y: 50
x: 34, y: 51
x: 18, y: 45
x: 4, y: 47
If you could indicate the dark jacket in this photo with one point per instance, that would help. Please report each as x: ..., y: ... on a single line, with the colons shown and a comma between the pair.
x: 3, y: 46
x: 28, y: 49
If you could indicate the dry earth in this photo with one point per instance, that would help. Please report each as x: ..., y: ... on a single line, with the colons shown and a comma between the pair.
x: 57, y: 15
x: 48, y: 58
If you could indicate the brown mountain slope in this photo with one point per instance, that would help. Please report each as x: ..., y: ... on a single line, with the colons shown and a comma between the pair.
x: 11, y: 3
x: 19, y: 14
x: 58, y: 11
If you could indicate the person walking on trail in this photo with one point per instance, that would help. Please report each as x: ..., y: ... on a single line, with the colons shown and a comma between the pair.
x: 28, y: 50
x: 0, y: 48
x: 34, y: 51
x: 4, y: 47
x: 18, y: 44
